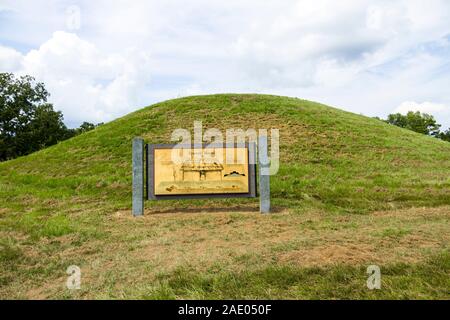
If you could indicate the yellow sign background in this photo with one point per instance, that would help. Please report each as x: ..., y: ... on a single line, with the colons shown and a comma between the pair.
x: 203, y: 171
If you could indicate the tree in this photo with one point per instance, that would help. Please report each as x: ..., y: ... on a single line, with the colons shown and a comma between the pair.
x: 86, y: 126
x: 445, y: 135
x: 27, y: 122
x: 415, y: 121
x: 47, y: 128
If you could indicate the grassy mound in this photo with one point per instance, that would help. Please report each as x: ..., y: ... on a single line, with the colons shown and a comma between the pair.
x: 329, y: 158
x: 333, y: 164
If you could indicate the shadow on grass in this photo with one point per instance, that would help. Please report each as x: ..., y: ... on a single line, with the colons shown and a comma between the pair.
x: 222, y: 209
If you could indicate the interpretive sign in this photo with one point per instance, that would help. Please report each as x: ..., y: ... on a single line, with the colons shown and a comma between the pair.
x: 201, y: 171
x: 219, y: 170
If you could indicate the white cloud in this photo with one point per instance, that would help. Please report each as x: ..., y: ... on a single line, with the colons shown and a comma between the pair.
x: 426, y: 107
x: 10, y: 59
x: 363, y: 55
x: 84, y: 82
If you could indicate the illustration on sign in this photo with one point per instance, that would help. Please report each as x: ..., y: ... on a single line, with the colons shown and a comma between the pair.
x: 200, y: 171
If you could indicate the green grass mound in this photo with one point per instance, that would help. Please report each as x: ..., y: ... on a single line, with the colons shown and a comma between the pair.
x: 330, y: 159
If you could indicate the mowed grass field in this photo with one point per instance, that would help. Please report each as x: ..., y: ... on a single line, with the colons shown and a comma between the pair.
x: 351, y: 192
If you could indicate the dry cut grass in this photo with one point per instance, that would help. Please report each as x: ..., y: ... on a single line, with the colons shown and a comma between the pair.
x: 141, y: 252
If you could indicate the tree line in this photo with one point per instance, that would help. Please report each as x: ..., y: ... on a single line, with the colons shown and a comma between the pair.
x: 29, y: 123
x: 418, y: 122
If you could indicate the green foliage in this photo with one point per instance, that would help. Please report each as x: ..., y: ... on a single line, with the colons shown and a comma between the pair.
x: 415, y: 121
x: 46, y: 129
x: 27, y: 122
x: 445, y: 135
x: 85, y: 127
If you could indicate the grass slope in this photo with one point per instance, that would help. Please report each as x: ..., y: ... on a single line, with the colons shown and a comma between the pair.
x: 349, y: 193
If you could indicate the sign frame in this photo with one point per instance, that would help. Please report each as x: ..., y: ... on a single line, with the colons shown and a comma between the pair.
x: 150, y: 174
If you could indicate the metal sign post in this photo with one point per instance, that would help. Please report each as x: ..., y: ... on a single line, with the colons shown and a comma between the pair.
x: 138, y: 177
x: 264, y: 175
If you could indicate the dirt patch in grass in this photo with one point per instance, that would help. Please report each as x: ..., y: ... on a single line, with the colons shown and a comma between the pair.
x: 203, y: 239
x: 313, y: 239
x: 329, y: 254
x: 422, y: 212
x: 138, y: 249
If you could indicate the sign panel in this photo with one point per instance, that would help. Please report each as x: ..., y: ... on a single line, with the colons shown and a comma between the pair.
x: 201, y: 171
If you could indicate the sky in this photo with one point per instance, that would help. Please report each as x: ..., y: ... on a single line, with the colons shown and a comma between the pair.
x: 103, y: 59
